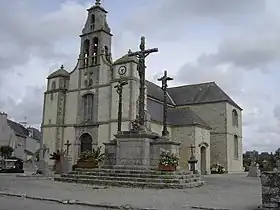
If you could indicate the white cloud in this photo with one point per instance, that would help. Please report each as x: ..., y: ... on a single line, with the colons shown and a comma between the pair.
x: 33, y: 42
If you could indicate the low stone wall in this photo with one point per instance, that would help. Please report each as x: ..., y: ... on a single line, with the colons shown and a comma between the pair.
x: 270, y: 181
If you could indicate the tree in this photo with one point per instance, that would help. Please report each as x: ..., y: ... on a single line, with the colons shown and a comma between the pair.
x: 6, y: 151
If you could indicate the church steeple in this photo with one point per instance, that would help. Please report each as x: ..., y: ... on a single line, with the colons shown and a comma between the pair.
x: 96, y: 36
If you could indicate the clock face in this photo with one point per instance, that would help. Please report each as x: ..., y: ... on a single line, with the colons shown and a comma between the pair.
x: 122, y: 70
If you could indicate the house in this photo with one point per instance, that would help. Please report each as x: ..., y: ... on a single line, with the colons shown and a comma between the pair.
x: 24, y: 141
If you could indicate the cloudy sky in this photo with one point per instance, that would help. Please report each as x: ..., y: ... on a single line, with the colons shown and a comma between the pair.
x: 235, y: 43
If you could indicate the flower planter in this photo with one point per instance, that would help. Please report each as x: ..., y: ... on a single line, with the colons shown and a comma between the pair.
x: 86, y: 164
x: 167, y: 167
x: 217, y: 172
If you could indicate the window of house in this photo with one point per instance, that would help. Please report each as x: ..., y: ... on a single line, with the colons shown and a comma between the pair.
x: 88, y: 107
x: 234, y: 118
x: 235, y: 142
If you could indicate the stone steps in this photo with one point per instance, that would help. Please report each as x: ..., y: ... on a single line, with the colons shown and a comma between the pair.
x: 178, y: 180
x: 133, y: 171
x: 131, y: 184
x: 135, y: 175
x: 133, y: 178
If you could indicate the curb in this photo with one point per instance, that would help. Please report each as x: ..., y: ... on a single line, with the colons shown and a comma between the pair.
x: 207, y: 208
x: 74, y: 202
x: 36, y: 177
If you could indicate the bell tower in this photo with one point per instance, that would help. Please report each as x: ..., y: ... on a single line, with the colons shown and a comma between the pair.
x: 95, y: 39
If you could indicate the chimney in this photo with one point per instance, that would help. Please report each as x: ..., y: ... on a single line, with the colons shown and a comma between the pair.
x: 3, y: 115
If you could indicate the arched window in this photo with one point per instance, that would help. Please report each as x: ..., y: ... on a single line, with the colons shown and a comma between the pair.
x: 234, y: 118
x: 86, y: 52
x: 95, y: 50
x: 106, y: 50
x: 90, y: 82
x: 235, y: 146
x: 88, y: 107
x: 53, y: 85
x: 92, y: 22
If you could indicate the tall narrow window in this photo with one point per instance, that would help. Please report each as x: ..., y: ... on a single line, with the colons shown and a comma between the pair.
x: 95, y: 50
x: 235, y: 146
x: 86, y: 52
x: 88, y: 107
x: 234, y: 118
x: 53, y: 87
x: 92, y: 22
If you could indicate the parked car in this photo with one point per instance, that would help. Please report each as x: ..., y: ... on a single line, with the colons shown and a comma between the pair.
x: 11, y: 165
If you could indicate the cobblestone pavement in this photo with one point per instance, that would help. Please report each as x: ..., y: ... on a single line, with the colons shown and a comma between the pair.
x: 11, y: 203
x: 229, y: 191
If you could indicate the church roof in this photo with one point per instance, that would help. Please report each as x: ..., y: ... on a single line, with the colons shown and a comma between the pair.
x: 156, y: 92
x: 199, y: 93
x: 191, y: 94
x: 59, y: 73
x: 18, y: 128
x: 175, y: 116
x: 125, y: 59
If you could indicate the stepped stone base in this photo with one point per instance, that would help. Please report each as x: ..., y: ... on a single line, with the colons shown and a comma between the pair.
x: 128, y: 177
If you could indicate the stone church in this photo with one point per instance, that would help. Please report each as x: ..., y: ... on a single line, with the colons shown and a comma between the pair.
x: 81, y: 105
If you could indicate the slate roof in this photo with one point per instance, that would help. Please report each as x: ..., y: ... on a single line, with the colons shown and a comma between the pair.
x: 175, y: 116
x: 126, y: 59
x: 184, y: 95
x: 36, y: 134
x: 154, y: 91
x: 22, y: 131
x: 199, y: 93
x: 59, y: 73
x: 18, y: 128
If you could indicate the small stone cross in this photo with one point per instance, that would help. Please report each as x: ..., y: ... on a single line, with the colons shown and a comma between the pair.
x: 67, y: 144
x: 192, y: 147
x: 164, y: 80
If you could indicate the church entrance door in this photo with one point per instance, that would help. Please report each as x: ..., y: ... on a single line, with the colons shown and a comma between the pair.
x: 86, y: 142
x: 203, y: 160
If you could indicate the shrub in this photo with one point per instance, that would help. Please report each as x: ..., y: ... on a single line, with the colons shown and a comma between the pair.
x: 217, y: 168
x: 168, y: 158
x: 96, y: 155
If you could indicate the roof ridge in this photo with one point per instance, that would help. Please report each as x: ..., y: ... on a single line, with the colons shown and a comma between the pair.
x: 196, y: 84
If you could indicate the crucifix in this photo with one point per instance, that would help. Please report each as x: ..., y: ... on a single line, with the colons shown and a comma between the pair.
x: 164, y: 80
x: 119, y: 88
x: 67, y: 144
x: 141, y: 55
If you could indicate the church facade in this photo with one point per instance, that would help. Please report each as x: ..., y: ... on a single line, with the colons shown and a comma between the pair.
x: 81, y: 105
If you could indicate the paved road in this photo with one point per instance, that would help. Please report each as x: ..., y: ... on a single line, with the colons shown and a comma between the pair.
x: 227, y: 191
x: 13, y: 203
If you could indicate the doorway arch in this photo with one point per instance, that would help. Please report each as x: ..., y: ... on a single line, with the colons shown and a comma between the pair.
x: 203, y: 160
x: 86, y: 142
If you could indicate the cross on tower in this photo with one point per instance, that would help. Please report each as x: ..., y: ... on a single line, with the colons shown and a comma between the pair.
x: 164, y: 80
x: 141, y: 55
x: 67, y: 144
x: 98, y: 2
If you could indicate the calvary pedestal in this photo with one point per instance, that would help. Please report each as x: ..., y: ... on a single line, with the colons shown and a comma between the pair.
x: 137, y: 150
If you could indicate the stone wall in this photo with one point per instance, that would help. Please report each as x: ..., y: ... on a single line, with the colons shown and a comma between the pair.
x: 271, y: 189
